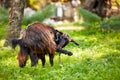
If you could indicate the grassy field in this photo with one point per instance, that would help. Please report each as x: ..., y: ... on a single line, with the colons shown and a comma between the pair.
x: 96, y: 58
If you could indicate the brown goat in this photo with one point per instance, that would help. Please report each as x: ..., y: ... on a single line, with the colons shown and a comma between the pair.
x: 35, y: 41
x: 39, y: 39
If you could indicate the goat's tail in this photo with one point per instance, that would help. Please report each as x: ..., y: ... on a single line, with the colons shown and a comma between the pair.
x: 74, y: 42
x: 14, y: 42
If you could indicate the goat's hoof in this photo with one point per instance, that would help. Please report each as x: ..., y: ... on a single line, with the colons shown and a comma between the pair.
x: 33, y: 64
x: 70, y: 54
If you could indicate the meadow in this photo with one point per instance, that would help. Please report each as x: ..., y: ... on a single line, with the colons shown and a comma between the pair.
x: 96, y: 58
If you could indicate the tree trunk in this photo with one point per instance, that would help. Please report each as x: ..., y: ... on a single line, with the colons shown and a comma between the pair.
x: 100, y: 7
x: 15, y: 20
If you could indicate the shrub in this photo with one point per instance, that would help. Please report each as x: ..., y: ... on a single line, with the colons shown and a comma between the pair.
x: 90, y: 19
x: 111, y: 24
x: 40, y: 15
x: 3, y: 16
x: 3, y: 22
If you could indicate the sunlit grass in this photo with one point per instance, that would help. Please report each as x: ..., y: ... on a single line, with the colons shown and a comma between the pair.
x: 2, y: 43
x: 96, y: 58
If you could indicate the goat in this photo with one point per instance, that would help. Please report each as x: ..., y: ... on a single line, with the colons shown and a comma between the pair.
x: 39, y: 39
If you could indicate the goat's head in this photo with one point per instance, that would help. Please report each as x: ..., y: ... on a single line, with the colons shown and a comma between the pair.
x: 22, y: 56
x: 23, y: 52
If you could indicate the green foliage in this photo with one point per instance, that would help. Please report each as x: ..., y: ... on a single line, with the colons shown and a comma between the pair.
x: 3, y: 22
x: 90, y: 19
x: 111, y: 24
x: 93, y: 21
x: 3, y: 30
x: 40, y: 15
x: 96, y: 58
x: 3, y: 16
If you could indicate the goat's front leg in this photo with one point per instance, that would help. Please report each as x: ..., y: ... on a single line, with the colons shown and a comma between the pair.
x: 64, y: 52
x: 42, y: 57
x: 51, y: 56
x: 34, y: 59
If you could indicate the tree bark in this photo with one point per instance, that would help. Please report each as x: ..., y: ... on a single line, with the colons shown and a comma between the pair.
x: 100, y: 7
x: 15, y: 20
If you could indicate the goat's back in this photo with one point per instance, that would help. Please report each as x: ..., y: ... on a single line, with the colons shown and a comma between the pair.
x: 39, y: 37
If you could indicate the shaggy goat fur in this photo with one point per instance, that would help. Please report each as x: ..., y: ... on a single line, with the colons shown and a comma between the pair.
x: 35, y: 41
x: 39, y: 39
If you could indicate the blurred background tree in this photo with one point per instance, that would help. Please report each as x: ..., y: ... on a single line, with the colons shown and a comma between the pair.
x: 103, y: 8
x: 15, y: 20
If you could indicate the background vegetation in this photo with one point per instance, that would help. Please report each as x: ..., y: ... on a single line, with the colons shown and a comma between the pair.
x: 96, y: 58
x: 40, y: 15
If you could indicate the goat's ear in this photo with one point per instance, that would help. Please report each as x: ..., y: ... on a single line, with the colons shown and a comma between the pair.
x: 14, y: 43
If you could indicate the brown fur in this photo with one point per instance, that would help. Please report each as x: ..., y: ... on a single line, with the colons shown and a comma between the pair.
x: 36, y: 40
x: 22, y: 57
x: 39, y: 39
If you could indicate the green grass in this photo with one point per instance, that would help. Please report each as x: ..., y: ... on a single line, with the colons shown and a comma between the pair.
x: 96, y: 58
